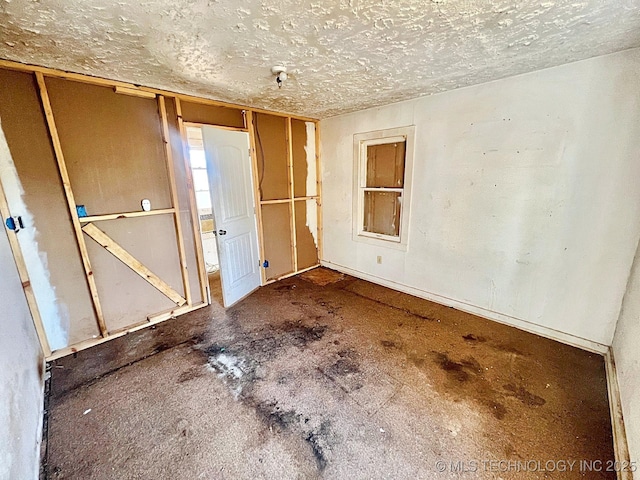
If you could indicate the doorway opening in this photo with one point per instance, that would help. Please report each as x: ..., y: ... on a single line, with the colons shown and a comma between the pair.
x: 222, y: 180
x: 201, y: 186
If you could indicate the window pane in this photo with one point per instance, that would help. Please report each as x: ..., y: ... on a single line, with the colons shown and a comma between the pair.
x: 200, y: 179
x: 385, y: 165
x: 382, y: 213
x: 198, y: 160
x: 203, y: 200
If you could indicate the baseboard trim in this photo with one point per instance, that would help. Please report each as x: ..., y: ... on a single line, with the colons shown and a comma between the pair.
x: 620, y: 445
x: 546, y: 332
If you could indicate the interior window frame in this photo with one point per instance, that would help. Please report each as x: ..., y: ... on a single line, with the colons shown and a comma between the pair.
x: 361, y: 142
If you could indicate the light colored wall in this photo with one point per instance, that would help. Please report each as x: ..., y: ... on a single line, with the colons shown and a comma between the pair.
x: 21, y: 384
x: 525, y: 197
x: 54, y: 315
x: 626, y: 353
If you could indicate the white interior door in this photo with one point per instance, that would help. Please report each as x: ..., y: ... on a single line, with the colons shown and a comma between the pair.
x: 229, y: 169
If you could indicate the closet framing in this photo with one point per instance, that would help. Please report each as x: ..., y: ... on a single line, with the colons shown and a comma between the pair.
x: 87, y: 228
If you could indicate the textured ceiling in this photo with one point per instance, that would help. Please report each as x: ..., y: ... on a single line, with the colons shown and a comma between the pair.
x: 343, y: 55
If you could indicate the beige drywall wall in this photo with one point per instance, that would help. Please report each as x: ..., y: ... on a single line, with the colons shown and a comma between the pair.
x: 21, y: 377
x: 525, y: 197
x: 626, y: 353
x: 271, y: 152
x: 112, y: 145
x: 126, y: 297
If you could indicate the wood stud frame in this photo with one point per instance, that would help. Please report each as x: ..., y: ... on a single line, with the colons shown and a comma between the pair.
x: 24, y: 278
x: 77, y: 222
x: 291, y: 201
x: 66, y: 184
x: 174, y: 198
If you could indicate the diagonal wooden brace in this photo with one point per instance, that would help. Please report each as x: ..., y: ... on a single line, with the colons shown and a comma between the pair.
x: 129, y: 260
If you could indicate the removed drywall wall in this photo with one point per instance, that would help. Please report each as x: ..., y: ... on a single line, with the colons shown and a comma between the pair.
x: 277, y: 239
x: 271, y: 151
x: 212, y: 115
x: 112, y: 146
x: 26, y: 132
x: 126, y: 298
x: 627, y: 358
x: 21, y: 377
x: 302, y: 168
x: 525, y: 200
x: 306, y: 233
x: 54, y: 316
x: 286, y: 167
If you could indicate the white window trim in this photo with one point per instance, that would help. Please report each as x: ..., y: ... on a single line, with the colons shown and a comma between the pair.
x: 360, y: 143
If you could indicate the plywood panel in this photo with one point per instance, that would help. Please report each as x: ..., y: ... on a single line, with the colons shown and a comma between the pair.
x: 213, y: 115
x: 272, y: 156
x: 126, y: 298
x: 306, y: 233
x: 382, y: 212
x: 304, y: 158
x: 25, y: 129
x: 112, y: 145
x: 385, y: 165
x: 277, y: 239
x: 183, y: 199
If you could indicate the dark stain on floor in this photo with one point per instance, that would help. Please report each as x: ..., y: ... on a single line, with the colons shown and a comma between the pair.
x: 347, y: 380
x: 524, y: 395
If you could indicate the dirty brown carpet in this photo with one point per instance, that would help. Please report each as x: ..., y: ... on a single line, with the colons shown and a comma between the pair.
x: 339, y: 381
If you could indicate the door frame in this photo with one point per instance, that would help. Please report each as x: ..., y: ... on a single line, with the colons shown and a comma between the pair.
x: 254, y: 183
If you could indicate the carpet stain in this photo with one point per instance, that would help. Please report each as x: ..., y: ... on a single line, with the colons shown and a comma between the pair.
x: 524, y: 395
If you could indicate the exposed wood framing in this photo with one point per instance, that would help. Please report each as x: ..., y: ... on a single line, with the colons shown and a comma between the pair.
x: 291, y: 274
x: 221, y: 127
x: 153, y: 320
x: 24, y: 278
x: 256, y: 191
x: 292, y: 205
x: 66, y: 184
x: 193, y: 207
x: 115, y: 216
x: 272, y: 202
x: 146, y: 92
x: 51, y: 72
x: 319, y: 192
x: 130, y: 261
x: 174, y: 198
x: 135, y: 92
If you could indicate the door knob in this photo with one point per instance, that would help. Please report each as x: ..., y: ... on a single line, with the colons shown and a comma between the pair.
x: 222, y: 232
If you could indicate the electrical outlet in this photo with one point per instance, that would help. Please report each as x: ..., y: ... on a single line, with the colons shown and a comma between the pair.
x: 379, y: 259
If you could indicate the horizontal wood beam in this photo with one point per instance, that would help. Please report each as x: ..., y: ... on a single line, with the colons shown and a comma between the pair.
x: 92, y: 342
x: 130, y: 261
x: 134, y: 92
x: 221, y: 127
x: 115, y: 216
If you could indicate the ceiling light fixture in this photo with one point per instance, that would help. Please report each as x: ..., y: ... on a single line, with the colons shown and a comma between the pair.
x: 281, y: 74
